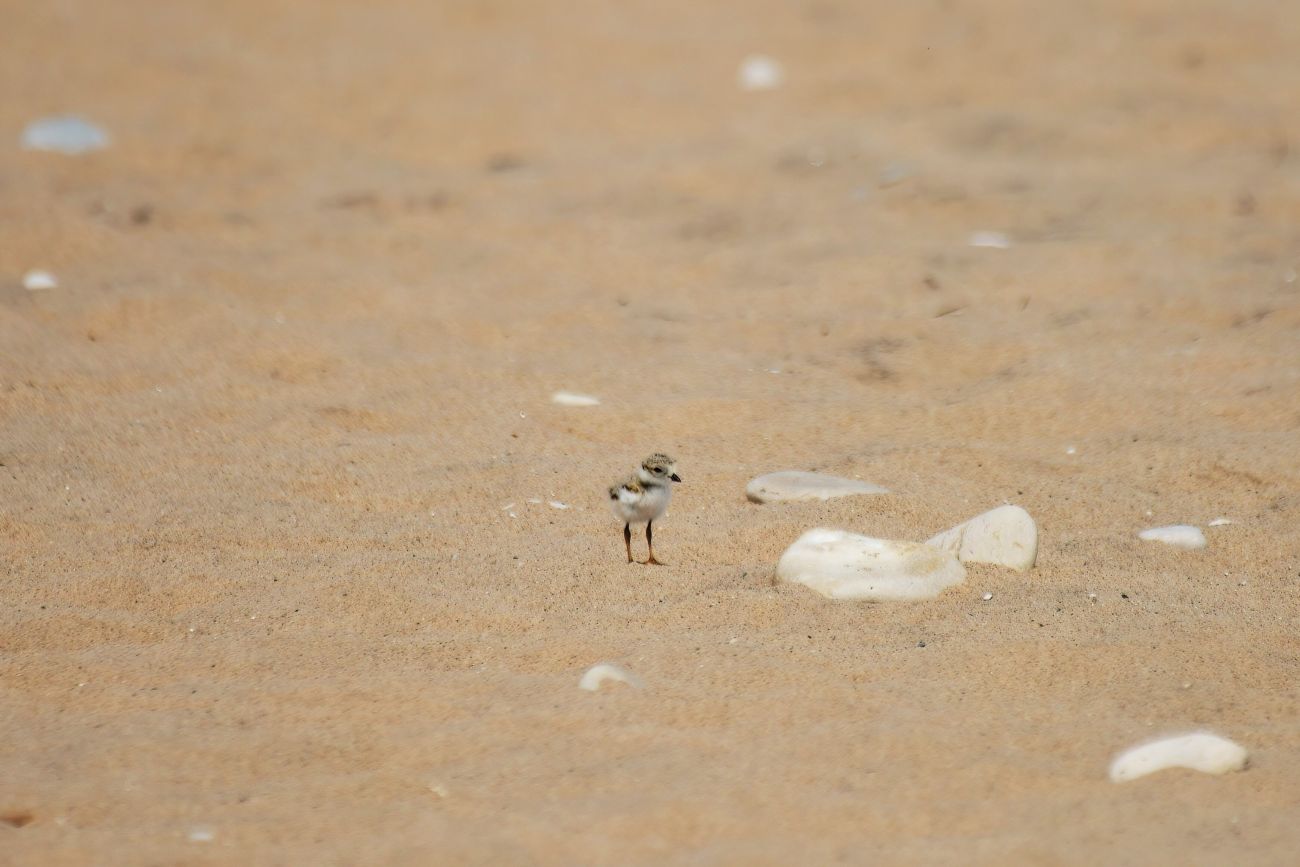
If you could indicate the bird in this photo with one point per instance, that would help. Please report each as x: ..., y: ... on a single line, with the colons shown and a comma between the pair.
x: 644, y: 496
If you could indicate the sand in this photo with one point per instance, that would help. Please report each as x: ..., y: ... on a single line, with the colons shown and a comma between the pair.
x: 261, y: 601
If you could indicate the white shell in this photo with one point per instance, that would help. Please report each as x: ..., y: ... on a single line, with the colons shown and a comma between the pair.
x: 1005, y: 536
x: 796, y: 485
x: 36, y: 281
x: 1199, y: 751
x: 844, y: 565
x: 569, y: 398
x: 1179, y: 535
x: 603, y: 671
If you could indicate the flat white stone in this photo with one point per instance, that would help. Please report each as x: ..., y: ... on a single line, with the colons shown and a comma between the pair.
x: 1221, y: 522
x: 604, y: 671
x: 1178, y: 535
x: 758, y: 72
x: 569, y: 398
x: 1005, y: 536
x: 37, y: 281
x: 843, y: 565
x: 66, y: 134
x: 797, y: 485
x: 1198, y: 751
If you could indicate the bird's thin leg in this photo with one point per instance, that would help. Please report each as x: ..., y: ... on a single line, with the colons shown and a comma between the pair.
x: 627, y: 540
x: 649, y: 540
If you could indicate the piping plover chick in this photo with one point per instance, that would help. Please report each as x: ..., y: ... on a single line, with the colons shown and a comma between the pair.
x: 644, y: 498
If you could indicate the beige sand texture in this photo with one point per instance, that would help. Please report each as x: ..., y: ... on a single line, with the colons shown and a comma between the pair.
x: 262, y: 601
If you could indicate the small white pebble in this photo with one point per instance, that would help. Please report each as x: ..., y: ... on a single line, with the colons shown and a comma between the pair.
x: 569, y: 398
x: 996, y: 240
x: 603, y: 671
x: 733, y: 640
x: 1092, y: 597
x: 1071, y: 450
x: 534, y: 501
x: 1241, y: 583
x: 759, y: 72
x: 512, y: 514
x: 1178, y: 535
x: 894, y: 173
x: 1219, y: 522
x: 202, y: 834
x: 987, y: 596
x: 37, y: 280
x: 438, y: 789
x: 1186, y: 685
x: 556, y: 504
x: 521, y: 415
x: 508, y: 506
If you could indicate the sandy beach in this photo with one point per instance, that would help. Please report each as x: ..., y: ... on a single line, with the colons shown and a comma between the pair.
x: 300, y: 563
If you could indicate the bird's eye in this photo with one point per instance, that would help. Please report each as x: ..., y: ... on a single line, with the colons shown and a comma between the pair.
x: 659, y: 470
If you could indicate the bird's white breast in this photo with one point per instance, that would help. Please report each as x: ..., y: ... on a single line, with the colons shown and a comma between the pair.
x: 647, y: 505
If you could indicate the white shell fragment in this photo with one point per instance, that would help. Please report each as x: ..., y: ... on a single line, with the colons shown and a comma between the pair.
x: 796, y: 485
x: 996, y: 240
x: 1221, y: 522
x: 68, y: 134
x: 603, y: 671
x: 1198, y: 751
x: 37, y: 281
x: 1179, y: 535
x: 758, y: 72
x: 843, y: 565
x: 569, y: 398
x: 1005, y: 536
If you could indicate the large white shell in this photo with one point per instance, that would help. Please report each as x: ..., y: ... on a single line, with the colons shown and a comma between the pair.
x: 843, y: 565
x: 1179, y: 535
x: 1199, y: 751
x: 1005, y: 536
x: 603, y: 671
x: 797, y: 485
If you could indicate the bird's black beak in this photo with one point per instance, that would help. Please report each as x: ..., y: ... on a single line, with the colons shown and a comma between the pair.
x: 675, y: 477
